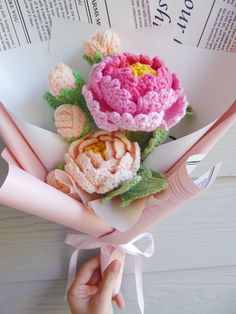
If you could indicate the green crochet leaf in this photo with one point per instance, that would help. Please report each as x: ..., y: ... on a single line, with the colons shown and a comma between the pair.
x: 158, y: 137
x: 98, y: 57
x: 190, y: 113
x: 79, y: 80
x: 61, y: 166
x: 53, y: 101
x: 141, y: 137
x: 152, y: 182
x: 122, y: 189
x: 71, y: 96
x: 87, y: 127
x: 147, y: 140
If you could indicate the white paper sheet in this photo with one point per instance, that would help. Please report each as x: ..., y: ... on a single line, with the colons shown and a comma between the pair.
x: 209, y: 24
x: 25, y: 22
x: 23, y: 80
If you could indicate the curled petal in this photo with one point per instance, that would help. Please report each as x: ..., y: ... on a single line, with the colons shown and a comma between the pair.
x: 53, y: 181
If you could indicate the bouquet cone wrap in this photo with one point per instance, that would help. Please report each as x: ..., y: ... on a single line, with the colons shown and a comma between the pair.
x: 19, y: 147
x: 37, y: 198
x: 24, y: 188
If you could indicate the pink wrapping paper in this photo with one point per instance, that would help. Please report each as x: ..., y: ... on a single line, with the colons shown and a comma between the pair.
x: 18, y: 146
x: 29, y: 194
x: 50, y: 204
x: 181, y: 187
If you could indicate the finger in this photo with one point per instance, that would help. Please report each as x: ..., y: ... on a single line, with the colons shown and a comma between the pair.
x: 86, y: 271
x: 108, y: 282
x: 119, y: 300
x: 82, y: 291
x: 96, y: 277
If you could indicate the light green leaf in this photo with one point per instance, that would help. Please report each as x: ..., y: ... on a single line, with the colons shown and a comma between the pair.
x: 141, y: 137
x: 122, y: 189
x: 152, y: 182
x: 190, y: 113
x: 147, y: 140
x: 158, y: 137
x: 98, y: 57
x: 71, y: 96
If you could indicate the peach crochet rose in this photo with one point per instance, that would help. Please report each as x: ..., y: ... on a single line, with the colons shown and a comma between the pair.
x: 70, y: 122
x: 106, y: 43
x: 69, y: 189
x: 102, y: 161
x: 51, y: 180
x: 61, y: 76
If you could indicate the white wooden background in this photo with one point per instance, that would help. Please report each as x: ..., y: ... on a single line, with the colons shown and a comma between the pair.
x: 193, y: 270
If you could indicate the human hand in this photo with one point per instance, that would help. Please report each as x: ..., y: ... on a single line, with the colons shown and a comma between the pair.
x: 92, y: 294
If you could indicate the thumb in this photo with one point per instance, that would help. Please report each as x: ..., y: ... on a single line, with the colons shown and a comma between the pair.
x: 109, y: 280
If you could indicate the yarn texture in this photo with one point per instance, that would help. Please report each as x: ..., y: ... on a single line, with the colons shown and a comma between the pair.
x: 106, y: 43
x: 135, y: 93
x: 102, y: 161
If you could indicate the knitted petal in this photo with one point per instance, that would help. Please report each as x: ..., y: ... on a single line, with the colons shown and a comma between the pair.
x: 61, y: 76
x: 106, y: 42
x: 51, y: 180
x: 133, y: 92
x: 175, y: 113
x: 102, y: 161
x: 71, y: 122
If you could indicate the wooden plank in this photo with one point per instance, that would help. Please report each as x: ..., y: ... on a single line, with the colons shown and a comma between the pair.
x: 205, y: 291
x: 225, y: 150
x: 199, y: 291
x: 201, y: 234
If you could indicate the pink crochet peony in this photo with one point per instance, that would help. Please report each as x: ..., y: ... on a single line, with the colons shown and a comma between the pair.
x: 101, y: 161
x: 134, y: 92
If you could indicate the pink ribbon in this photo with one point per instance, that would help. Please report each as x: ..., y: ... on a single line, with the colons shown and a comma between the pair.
x: 110, y: 252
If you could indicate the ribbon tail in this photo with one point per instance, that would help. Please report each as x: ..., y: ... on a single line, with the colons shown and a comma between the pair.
x: 138, y: 267
x: 72, y: 270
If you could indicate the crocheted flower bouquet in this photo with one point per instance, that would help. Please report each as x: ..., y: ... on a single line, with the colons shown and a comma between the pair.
x: 114, y: 120
x: 106, y: 183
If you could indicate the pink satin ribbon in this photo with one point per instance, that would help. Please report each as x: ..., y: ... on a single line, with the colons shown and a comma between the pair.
x: 86, y: 242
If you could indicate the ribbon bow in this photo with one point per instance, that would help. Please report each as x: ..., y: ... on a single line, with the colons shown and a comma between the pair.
x: 109, y: 252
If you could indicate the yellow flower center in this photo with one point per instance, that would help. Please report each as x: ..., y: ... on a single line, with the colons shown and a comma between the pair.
x: 139, y: 69
x: 97, y: 148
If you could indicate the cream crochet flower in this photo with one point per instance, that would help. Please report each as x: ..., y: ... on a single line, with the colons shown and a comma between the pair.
x: 102, y: 161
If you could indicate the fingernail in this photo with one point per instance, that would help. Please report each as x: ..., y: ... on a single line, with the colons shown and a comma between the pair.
x: 115, y: 266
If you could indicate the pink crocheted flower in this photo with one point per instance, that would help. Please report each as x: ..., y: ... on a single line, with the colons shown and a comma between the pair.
x: 71, y: 122
x: 61, y: 76
x: 101, y: 161
x: 66, y: 186
x: 106, y: 43
x: 51, y: 180
x: 134, y: 92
